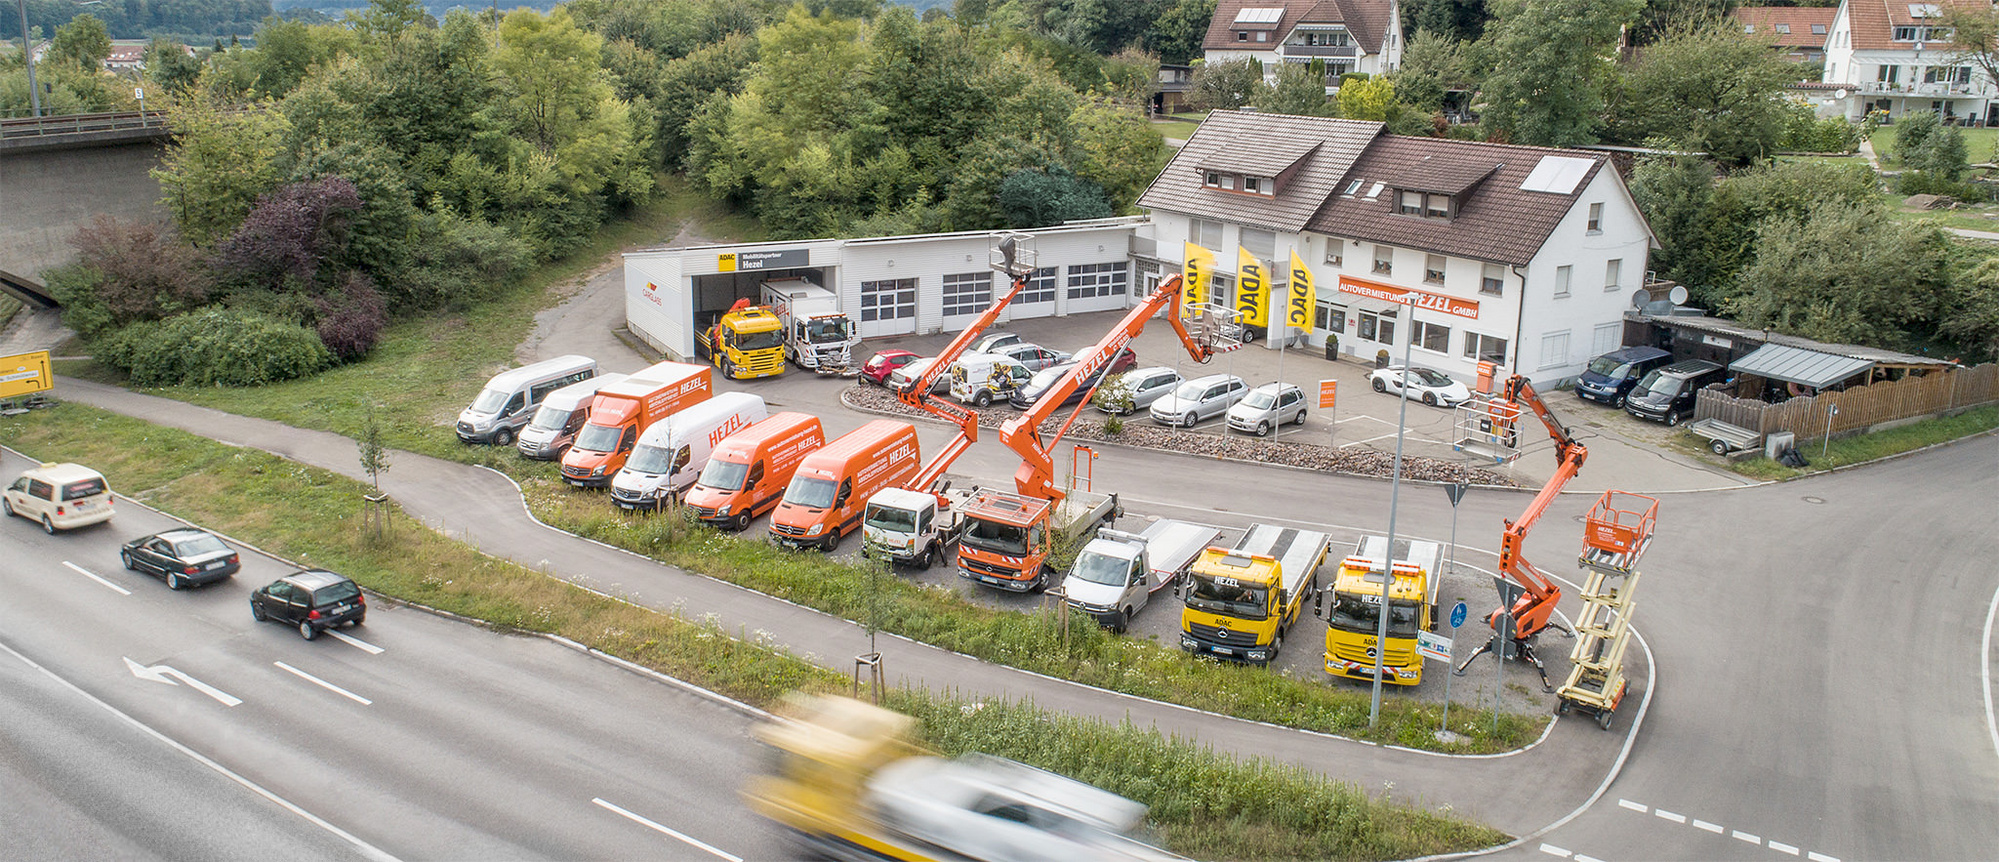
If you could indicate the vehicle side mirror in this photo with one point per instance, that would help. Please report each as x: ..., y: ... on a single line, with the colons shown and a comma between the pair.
x: 1319, y: 605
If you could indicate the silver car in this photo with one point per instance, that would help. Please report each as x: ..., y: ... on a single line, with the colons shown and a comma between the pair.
x: 1267, y: 407
x: 1199, y: 400
x: 1144, y: 385
x: 1034, y: 356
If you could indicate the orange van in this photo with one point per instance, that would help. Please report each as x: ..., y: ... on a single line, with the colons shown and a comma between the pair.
x: 749, y: 469
x: 830, y: 491
x: 624, y: 410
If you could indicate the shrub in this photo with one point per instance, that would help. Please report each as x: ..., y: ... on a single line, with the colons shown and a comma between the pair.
x: 351, y: 321
x: 1805, y: 133
x: 1929, y: 183
x: 145, y: 271
x: 215, y: 347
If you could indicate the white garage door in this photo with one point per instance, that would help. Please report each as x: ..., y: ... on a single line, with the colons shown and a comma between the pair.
x: 888, y: 307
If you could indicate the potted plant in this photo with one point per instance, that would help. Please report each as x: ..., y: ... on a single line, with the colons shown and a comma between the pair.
x: 1332, y: 347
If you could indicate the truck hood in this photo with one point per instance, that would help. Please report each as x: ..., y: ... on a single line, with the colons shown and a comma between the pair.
x: 1091, y: 592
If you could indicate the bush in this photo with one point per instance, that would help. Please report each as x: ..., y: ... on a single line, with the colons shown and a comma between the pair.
x: 1927, y: 183
x: 1805, y: 133
x: 215, y: 347
x: 352, y: 321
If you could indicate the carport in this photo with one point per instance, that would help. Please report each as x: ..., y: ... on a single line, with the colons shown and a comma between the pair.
x: 1777, y: 372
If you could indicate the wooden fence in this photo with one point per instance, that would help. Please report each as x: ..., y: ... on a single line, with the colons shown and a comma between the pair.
x: 1859, y: 408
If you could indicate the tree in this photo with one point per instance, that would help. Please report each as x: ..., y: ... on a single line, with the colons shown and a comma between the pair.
x: 1032, y: 198
x: 1299, y: 89
x: 1432, y: 65
x: 82, y: 43
x: 1370, y: 99
x: 1706, y: 87
x: 143, y: 271
x: 1224, y: 85
x: 171, y: 68
x: 1455, y: 20
x: 559, y: 101
x: 1844, y: 275
x: 292, y: 234
x: 216, y: 165
x: 1971, y: 310
x: 1132, y: 75
x: 1176, y: 35
x: 1676, y: 194
x: 384, y: 20
x: 1925, y: 144
x: 1974, y: 39
x: 1553, y: 65
x: 1119, y: 150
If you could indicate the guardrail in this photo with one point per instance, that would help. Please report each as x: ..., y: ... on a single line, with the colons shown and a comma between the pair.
x: 34, y: 128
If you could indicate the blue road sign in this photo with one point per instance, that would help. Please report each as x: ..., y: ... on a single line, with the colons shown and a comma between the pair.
x: 1458, y: 615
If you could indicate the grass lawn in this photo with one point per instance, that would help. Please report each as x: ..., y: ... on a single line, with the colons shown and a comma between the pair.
x: 1978, y: 145
x: 1178, y: 125
x: 1861, y: 448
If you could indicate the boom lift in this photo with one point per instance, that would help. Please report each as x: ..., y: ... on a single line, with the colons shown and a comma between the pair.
x: 1528, y: 602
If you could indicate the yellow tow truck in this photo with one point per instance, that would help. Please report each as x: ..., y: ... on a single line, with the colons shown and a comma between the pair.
x: 747, y: 342
x: 1354, y: 618
x: 1240, y: 601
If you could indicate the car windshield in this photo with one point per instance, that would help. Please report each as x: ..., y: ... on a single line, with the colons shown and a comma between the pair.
x: 550, y: 418
x: 1357, y: 614
x: 1426, y: 377
x: 1046, y: 377
x: 195, y: 546
x: 996, y: 537
x: 83, y: 488
x: 1101, y: 569
x: 811, y: 493
x: 724, y: 475
x: 650, y: 459
x: 826, y: 329
x: 1609, y: 367
x: 490, y: 400
x: 1261, y: 399
x: 1659, y: 385
x: 598, y: 438
x: 339, y: 592
x: 891, y: 518
x: 760, y: 340
x: 1231, y: 599
x: 1191, y: 390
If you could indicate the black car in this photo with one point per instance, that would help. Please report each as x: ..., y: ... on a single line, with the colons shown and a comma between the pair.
x: 313, y: 600
x: 185, y: 557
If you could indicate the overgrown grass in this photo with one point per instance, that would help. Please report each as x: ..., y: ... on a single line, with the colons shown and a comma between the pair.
x: 1867, y: 447
x: 1207, y: 805
x: 9, y: 306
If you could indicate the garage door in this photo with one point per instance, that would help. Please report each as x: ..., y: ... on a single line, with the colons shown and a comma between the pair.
x: 888, y: 307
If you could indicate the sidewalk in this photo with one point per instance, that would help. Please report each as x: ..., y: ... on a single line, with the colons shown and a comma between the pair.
x: 1519, y: 793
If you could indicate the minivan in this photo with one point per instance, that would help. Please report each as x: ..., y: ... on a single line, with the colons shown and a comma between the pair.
x: 978, y: 378
x: 59, y: 496
x: 750, y: 469
x: 674, y: 450
x: 560, y: 416
x: 830, y: 491
x: 510, y: 398
x: 1667, y: 394
x: 1199, y: 400
x: 1609, y: 378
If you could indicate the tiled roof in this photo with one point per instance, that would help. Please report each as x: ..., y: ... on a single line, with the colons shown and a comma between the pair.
x: 1222, y: 27
x: 1800, y: 19
x: 1366, y: 20
x: 1874, y: 21
x: 1329, y: 147
x: 1496, y: 221
x: 1268, y: 160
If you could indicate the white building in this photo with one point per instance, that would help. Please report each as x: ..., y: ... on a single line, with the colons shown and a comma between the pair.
x: 1887, y: 55
x: 1349, y: 35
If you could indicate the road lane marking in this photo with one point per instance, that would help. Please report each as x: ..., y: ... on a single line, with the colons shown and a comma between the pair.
x: 324, y: 684
x: 353, y: 641
x: 1718, y: 829
x: 1985, y: 668
x: 1668, y: 815
x: 1626, y: 803
x: 161, y: 673
x: 667, y: 830
x: 1711, y: 827
x: 1781, y: 847
x: 1820, y: 857
x: 94, y: 576
x: 1581, y: 858
x: 1744, y: 836
x: 1552, y: 850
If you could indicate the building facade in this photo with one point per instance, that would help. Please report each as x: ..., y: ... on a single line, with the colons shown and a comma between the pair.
x: 1896, y: 57
x: 1349, y: 35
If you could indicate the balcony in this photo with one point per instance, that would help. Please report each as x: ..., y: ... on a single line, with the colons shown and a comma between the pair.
x: 1296, y: 50
x: 1938, y: 90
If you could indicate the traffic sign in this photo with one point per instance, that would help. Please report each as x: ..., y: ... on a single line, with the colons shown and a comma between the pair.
x: 1456, y: 491
x: 1434, y: 646
x: 1458, y: 615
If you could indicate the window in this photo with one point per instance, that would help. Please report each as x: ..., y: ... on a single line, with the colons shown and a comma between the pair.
x: 1040, y: 287
x: 1555, y: 349
x: 1378, y: 325
x: 1334, y: 249
x: 1256, y: 185
x: 1596, y: 218
x: 1211, y: 179
x: 1492, y: 279
x: 1353, y: 188
x: 1384, y: 260
x: 1905, y: 34
x: 1818, y: 29
x: 1748, y: 28
x: 1242, y: 35
x: 1410, y: 203
x: 967, y: 293
x: 1887, y: 74
x: 1205, y: 233
x: 1784, y: 29
x: 1947, y: 75
x: 1260, y: 243
x: 1437, y: 206
x: 1611, y: 272
x: 1262, y: 35
x: 1098, y: 279
x: 1330, y: 318
x: 1605, y: 338
x: 1433, y: 269
x: 1485, y: 348
x: 1430, y: 336
x: 1562, y: 280
x: 888, y: 300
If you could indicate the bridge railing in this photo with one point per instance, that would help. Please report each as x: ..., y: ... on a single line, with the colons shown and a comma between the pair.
x: 72, y: 124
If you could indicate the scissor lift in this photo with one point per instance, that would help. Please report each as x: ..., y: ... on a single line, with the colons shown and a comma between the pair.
x: 1617, y: 531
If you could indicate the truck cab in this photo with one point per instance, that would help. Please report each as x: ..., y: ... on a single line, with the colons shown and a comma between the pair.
x: 1353, y: 616
x: 817, y: 336
x: 1115, y: 575
x: 1009, y: 540
x: 908, y: 527
x: 746, y: 343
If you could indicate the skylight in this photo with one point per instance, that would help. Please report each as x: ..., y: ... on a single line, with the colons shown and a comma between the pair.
x: 1925, y: 10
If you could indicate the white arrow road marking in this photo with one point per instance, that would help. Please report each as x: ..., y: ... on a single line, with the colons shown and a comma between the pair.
x: 663, y: 829
x: 324, y: 684
x: 94, y: 576
x: 161, y: 673
x: 353, y: 641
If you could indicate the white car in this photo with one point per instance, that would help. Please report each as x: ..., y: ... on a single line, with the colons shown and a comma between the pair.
x: 1267, y: 407
x: 1199, y: 400
x: 1144, y: 385
x: 59, y: 497
x: 905, y: 377
x: 1034, y: 356
x: 1434, y: 387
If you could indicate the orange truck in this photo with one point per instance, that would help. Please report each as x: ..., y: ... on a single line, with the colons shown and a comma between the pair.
x: 829, y: 493
x: 749, y: 470
x: 623, y: 411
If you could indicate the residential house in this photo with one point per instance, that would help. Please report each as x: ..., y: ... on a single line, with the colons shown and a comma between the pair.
x: 1799, y: 32
x: 1349, y: 35
x: 1894, y: 56
x: 1175, y: 82
x: 1456, y: 251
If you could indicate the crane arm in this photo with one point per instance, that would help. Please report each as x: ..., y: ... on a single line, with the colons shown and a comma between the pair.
x: 1534, y: 607
x: 919, y: 396
x: 1022, y: 434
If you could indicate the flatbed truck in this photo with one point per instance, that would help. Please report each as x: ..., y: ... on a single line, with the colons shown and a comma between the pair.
x: 1241, y: 600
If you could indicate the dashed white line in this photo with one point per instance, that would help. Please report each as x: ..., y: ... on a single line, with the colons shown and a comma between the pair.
x: 94, y: 576
x: 1781, y: 847
x: 1626, y: 803
x: 1820, y: 857
x: 1711, y: 827
x: 1581, y: 858
x: 1744, y: 836
x: 667, y: 831
x: 1668, y: 815
x: 353, y: 641
x: 324, y: 684
x: 1552, y: 850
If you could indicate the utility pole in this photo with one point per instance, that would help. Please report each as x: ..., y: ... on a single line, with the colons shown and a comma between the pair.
x: 1394, y: 496
x: 28, y: 57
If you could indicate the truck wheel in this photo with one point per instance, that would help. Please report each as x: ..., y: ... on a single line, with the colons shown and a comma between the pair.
x: 928, y: 557
x: 1603, y: 719
x: 1718, y: 447
x: 1276, y: 646
x: 1122, y: 622
x: 1040, y: 582
x: 503, y: 437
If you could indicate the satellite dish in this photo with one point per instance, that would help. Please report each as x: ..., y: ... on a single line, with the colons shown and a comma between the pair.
x: 1639, y: 297
x: 1839, y: 94
x: 1678, y: 294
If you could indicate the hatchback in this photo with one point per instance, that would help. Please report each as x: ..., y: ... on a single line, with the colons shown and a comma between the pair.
x: 1267, y: 407
x: 884, y: 363
x: 1141, y: 386
x: 1034, y: 356
x: 185, y: 557
x: 991, y: 342
x: 1199, y: 400
x: 59, y: 496
x: 314, y: 600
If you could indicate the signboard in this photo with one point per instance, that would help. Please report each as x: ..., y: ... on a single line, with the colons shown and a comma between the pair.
x: 1195, y: 275
x: 1252, y: 290
x: 1326, y: 389
x: 1458, y: 615
x: 25, y: 374
x: 1410, y: 296
x: 1299, y: 300
x: 730, y: 261
x: 1434, y: 646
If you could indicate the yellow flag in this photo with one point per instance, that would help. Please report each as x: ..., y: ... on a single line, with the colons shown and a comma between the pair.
x: 1194, y: 277
x: 1298, y: 310
x: 1252, y: 290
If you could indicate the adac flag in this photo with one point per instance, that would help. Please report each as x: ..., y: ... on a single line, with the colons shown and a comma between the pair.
x: 1194, y: 277
x: 1252, y: 290
x: 1298, y: 308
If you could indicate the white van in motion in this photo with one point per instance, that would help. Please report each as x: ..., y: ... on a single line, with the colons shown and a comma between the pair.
x: 560, y: 416
x: 671, y: 453
x: 509, y: 399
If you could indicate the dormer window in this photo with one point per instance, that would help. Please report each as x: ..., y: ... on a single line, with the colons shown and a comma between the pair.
x: 1784, y: 29
x: 1213, y: 180
x: 1422, y: 204
x: 1259, y: 185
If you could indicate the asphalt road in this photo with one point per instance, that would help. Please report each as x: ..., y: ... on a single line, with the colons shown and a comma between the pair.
x: 411, y: 736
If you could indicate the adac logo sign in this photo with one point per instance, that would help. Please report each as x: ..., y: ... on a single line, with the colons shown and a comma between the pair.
x: 652, y: 294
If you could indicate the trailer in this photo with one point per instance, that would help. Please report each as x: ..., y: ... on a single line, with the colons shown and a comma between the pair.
x: 1723, y: 438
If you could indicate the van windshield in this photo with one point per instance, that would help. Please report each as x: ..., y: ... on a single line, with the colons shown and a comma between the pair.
x: 550, y: 418
x: 1354, y: 614
x: 892, y: 519
x: 490, y: 400
x: 811, y: 493
x: 1233, y: 600
x: 650, y: 459
x: 1610, y: 368
x: 724, y: 475
x: 598, y: 438
x: 996, y: 537
x: 1102, y: 569
x: 1659, y: 385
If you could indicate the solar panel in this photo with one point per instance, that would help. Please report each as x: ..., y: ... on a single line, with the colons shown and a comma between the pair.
x: 1557, y: 174
x: 1259, y: 15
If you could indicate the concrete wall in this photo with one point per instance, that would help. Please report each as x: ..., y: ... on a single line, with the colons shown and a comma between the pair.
x: 46, y: 196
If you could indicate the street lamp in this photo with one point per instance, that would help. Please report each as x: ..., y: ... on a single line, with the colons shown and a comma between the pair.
x: 28, y: 57
x: 1394, y: 494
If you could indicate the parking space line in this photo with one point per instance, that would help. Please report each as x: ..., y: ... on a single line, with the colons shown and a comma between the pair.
x: 95, y: 577
x: 1552, y: 850
x: 666, y: 830
x: 324, y: 684
x: 353, y: 641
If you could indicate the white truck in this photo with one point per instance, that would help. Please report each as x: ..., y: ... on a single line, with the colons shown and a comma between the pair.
x: 817, y: 337
x: 908, y: 527
x: 1117, y: 572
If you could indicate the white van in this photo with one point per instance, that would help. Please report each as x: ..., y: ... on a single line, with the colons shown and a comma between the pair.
x: 561, y: 414
x: 509, y: 399
x: 59, y: 497
x: 672, y: 452
x: 979, y: 379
